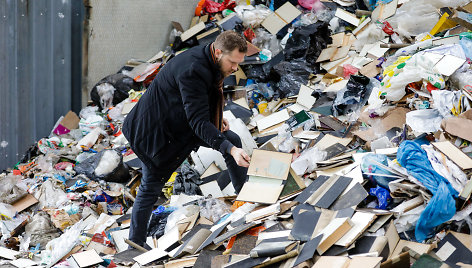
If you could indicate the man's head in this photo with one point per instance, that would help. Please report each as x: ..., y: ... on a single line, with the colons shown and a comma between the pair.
x: 230, y: 48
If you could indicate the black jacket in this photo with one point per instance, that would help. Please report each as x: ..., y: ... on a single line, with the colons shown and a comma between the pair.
x: 174, y: 114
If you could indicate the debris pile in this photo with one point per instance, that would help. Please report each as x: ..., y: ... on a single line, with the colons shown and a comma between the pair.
x: 356, y: 116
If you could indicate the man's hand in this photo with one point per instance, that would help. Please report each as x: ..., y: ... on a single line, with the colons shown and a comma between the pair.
x: 225, y: 125
x: 240, y: 156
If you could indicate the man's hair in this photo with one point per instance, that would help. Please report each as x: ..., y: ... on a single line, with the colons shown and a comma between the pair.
x: 228, y: 41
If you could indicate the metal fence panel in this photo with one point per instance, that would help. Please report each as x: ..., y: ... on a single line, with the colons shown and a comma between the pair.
x: 35, y: 71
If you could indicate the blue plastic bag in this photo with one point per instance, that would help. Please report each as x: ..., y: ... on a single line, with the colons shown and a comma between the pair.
x: 442, y: 205
x: 370, y: 165
x: 383, y: 196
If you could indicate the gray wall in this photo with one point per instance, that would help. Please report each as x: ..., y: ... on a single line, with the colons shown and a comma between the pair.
x: 120, y: 30
x: 35, y: 70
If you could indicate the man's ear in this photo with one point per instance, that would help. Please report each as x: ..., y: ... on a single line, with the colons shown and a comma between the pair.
x: 218, y: 53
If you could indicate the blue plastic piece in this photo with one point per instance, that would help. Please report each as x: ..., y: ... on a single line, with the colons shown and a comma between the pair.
x: 442, y: 205
x: 383, y: 196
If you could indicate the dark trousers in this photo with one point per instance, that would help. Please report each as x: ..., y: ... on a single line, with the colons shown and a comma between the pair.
x: 153, y: 180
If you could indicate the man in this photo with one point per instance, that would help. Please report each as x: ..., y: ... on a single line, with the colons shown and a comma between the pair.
x: 181, y: 110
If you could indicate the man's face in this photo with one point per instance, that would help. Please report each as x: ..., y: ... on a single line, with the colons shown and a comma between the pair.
x: 229, y: 62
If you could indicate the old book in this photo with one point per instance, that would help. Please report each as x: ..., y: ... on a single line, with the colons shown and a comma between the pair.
x: 270, y: 249
x: 336, y: 229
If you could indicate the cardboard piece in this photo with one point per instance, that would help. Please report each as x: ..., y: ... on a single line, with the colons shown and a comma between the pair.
x: 150, y: 256
x: 8, y: 253
x: 454, y: 154
x: 194, y: 30
x: 269, y: 164
x: 119, y: 238
x: 393, y: 118
x: 346, y: 16
x: 371, y: 70
x: 308, y: 250
x: 69, y: 122
x: 23, y: 263
x: 384, y: 11
x: 304, y: 225
x: 281, y: 17
x: 351, y: 198
x: 87, y: 258
x: 272, y: 119
x: 24, y: 202
x: 455, y: 125
x: 336, y: 229
x: 127, y: 107
x: 361, y: 221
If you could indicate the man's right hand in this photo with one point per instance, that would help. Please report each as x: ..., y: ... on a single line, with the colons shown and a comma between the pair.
x: 240, y: 156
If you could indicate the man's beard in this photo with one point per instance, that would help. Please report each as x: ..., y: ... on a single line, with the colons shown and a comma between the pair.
x: 225, y: 74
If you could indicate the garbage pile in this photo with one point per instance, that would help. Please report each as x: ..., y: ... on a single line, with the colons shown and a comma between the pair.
x: 357, y: 117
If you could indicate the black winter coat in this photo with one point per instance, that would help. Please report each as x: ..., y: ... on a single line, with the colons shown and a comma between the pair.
x: 174, y: 114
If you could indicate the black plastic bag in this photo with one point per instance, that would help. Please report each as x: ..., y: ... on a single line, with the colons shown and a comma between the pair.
x: 122, y: 84
x: 353, y: 96
x: 157, y: 224
x: 186, y: 181
x: 292, y: 74
x: 88, y: 167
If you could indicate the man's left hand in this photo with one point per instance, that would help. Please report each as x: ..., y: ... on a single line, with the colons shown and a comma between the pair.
x: 225, y: 125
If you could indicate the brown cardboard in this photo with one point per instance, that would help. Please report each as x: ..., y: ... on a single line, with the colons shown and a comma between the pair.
x: 454, y: 154
x: 70, y: 120
x: 270, y: 164
x: 192, y: 31
x: 251, y: 49
x: 336, y: 229
x: 24, y: 203
x: 394, y: 118
x: 371, y: 70
x: 281, y: 17
x: 384, y: 11
x: 177, y: 26
x: 458, y: 126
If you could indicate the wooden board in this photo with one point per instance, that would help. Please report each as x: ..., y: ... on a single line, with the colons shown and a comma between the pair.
x: 454, y: 153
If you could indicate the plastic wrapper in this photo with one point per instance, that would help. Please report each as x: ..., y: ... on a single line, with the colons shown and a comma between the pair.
x: 353, y: 97
x: 447, y: 102
x: 106, y: 165
x: 7, y: 212
x: 292, y: 74
x: 266, y: 40
x: 442, y: 206
x: 461, y: 77
x: 411, y: 70
x: 187, y: 181
x: 383, y: 196
x: 466, y: 44
x: 408, y: 220
x: 180, y: 214
x: 425, y: 121
x: 285, y: 140
x: 48, y: 190
x: 213, y: 209
x: 252, y: 16
x: 12, y: 188
x: 93, y: 121
x: 307, y: 161
x: 112, y: 90
x: 448, y: 169
x: 40, y: 230
x: 371, y: 164
x: 59, y: 247
x: 242, y: 211
x: 214, y: 7
x: 409, y: 20
x: 158, y: 221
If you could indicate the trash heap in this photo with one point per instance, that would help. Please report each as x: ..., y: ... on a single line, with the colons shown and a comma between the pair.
x: 357, y: 117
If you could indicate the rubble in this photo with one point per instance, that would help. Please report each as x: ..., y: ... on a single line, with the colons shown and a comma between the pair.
x: 356, y: 115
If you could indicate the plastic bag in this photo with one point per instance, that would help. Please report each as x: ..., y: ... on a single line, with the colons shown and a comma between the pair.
x: 112, y: 90
x: 252, y: 16
x: 12, y: 188
x: 307, y: 161
x: 214, y: 7
x: 425, y: 121
x: 442, y: 205
x: 106, y: 165
x: 266, y: 40
x: 48, y: 190
x: 383, y: 196
x: 213, y: 209
x: 415, y: 69
x: 370, y: 164
x: 293, y: 74
x: 353, y: 97
x: 91, y: 122
x: 59, y: 247
x: 180, y: 214
x: 447, y: 102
